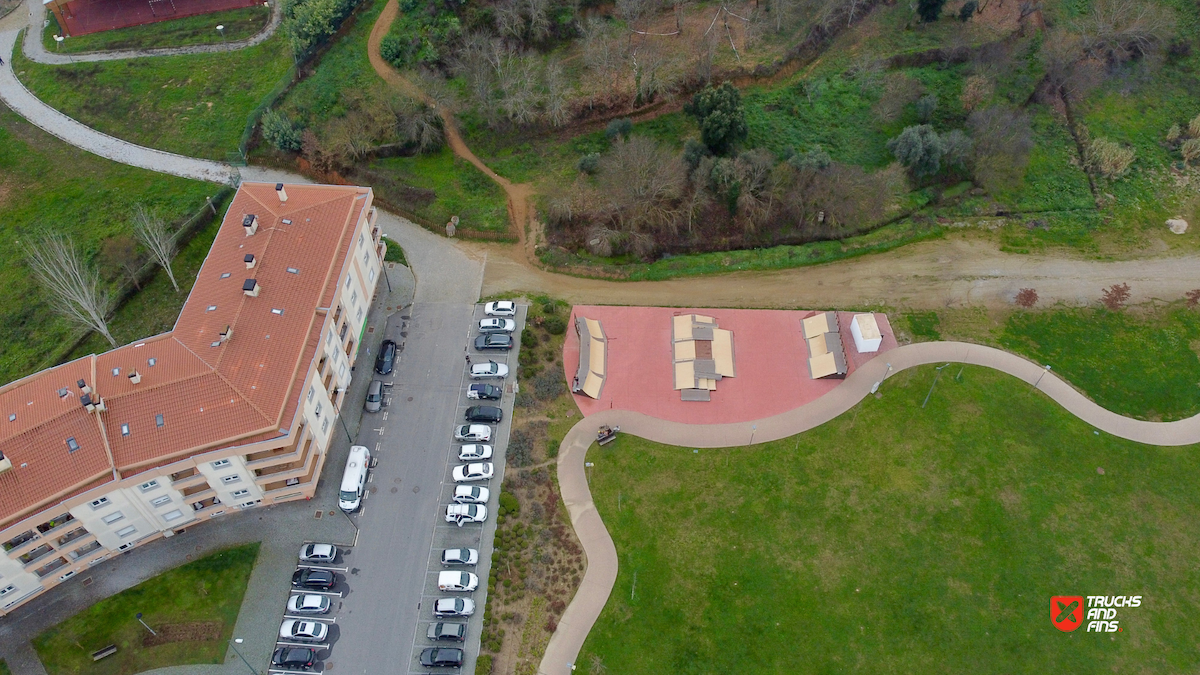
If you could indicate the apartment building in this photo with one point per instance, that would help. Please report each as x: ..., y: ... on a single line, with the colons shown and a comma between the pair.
x: 232, y: 409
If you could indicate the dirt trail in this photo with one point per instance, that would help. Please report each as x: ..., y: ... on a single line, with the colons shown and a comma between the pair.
x: 518, y: 194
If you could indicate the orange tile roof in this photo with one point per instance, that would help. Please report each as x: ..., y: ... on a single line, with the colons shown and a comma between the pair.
x: 243, y: 389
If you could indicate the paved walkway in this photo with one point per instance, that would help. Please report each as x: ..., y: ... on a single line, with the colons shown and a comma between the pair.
x: 601, y: 573
x: 36, y: 51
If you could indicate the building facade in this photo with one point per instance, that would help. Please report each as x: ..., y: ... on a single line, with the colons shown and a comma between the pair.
x: 232, y: 409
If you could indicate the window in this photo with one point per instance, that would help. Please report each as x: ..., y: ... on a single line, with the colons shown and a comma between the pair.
x: 116, y: 372
x: 230, y: 479
x: 361, y: 238
x: 125, y: 547
x: 241, y: 493
x: 12, y: 417
x: 347, y: 282
x: 366, y: 260
x: 328, y: 340
x: 311, y: 391
x: 172, y: 515
x: 225, y: 275
x: 158, y: 420
x: 126, y: 531
x: 62, y: 393
x: 211, y: 308
x: 113, y: 517
x: 277, y: 311
x: 220, y: 463
x: 320, y: 408
x: 97, y: 503
x: 6, y: 590
x: 341, y: 371
x: 125, y: 429
x: 293, y: 270
x: 148, y: 485
x: 72, y: 444
x: 159, y: 501
x: 152, y: 362
x: 371, y: 276
x: 358, y: 317
x: 354, y: 298
x: 324, y: 426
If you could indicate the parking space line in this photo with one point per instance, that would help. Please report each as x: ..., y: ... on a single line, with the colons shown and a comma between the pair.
x: 301, y: 591
x: 310, y: 617
x: 288, y: 672
x: 319, y: 567
x: 311, y: 645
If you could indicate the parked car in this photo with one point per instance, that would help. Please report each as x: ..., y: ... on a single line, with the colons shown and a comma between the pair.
x: 460, y: 556
x: 457, y: 581
x: 293, y: 658
x: 441, y: 657
x: 374, y: 397
x: 500, y: 308
x: 318, y: 579
x: 484, y: 413
x: 386, y: 358
x: 471, y: 494
x: 303, y: 631
x: 454, y: 632
x: 461, y: 514
x: 486, y: 392
x: 308, y: 604
x: 495, y: 325
x: 494, y: 342
x: 489, y: 371
x: 473, y: 432
x: 318, y: 553
x: 464, y: 473
x: 474, y: 451
x: 445, y: 607
x: 354, y: 478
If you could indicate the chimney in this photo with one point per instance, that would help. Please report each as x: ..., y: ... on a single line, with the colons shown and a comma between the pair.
x: 227, y: 333
x: 5, y: 464
x: 250, y: 224
x: 88, y: 403
x: 135, y: 377
x: 250, y: 287
x: 84, y: 390
x: 249, y: 261
x: 281, y: 192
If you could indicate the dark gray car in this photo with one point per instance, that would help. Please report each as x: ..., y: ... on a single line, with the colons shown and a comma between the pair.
x: 484, y: 413
x: 374, y: 397
x: 494, y: 341
x: 442, y: 657
x: 453, y: 632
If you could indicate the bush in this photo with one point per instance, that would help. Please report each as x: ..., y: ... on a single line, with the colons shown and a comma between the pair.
x: 693, y: 152
x: 483, y: 665
x: 555, y: 325
x: 620, y: 128
x: 529, y: 339
x: 549, y: 307
x: 589, y: 163
x: 1108, y: 158
x: 509, y: 502
x: 524, y: 399
x: 394, y: 254
x: 968, y: 10
x: 549, y: 385
x: 279, y: 131
x: 816, y: 159
x: 929, y: 10
x: 919, y: 149
x: 926, y: 106
x: 520, y: 448
x: 721, y: 116
x: 1190, y: 150
x: 391, y: 48
x: 308, y: 23
x: 552, y: 447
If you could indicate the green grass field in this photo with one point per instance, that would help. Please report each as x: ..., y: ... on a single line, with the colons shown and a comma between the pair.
x: 207, y: 590
x: 461, y: 189
x: 900, y: 539
x: 45, y: 183
x: 193, y: 30
x: 195, y: 105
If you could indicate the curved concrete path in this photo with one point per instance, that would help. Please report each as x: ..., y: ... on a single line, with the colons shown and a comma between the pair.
x: 601, y: 574
x: 35, y: 51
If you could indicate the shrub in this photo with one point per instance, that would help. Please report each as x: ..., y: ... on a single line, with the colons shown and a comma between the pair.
x: 524, y: 399
x: 1108, y: 158
x: 589, y: 163
x: 619, y: 128
x: 549, y: 308
x: 308, y: 23
x: 1174, y: 134
x: 1026, y: 297
x: 553, y: 443
x: 520, y: 448
x: 956, y: 149
x: 976, y: 90
x: 926, y: 106
x: 1193, y: 297
x: 693, y: 152
x: 279, y: 131
x: 929, y: 10
x: 555, y: 325
x: 1190, y: 149
x: 1115, y: 296
x: 549, y: 385
x: 721, y: 116
x: 816, y: 159
x: 529, y: 339
x: 968, y: 10
x: 391, y: 48
x: 509, y: 502
x: 1194, y: 127
x: 919, y: 149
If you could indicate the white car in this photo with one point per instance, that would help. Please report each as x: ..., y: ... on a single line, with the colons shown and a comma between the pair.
x: 460, y: 556
x: 445, y: 607
x: 308, y: 604
x: 303, y: 631
x: 461, y: 514
x: 318, y: 553
x: 469, y: 452
x: 500, y: 308
x: 496, y: 325
x: 473, y: 432
x: 471, y: 494
x: 457, y: 581
x: 465, y: 473
x: 489, y: 370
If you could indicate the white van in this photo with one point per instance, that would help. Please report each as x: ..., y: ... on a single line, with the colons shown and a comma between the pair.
x: 354, y: 481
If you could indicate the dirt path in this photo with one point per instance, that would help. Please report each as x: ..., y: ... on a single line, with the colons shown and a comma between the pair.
x: 518, y: 194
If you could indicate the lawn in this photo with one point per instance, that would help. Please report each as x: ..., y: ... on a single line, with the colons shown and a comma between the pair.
x: 459, y: 188
x: 195, y: 105
x: 206, y: 591
x: 193, y: 30
x: 900, y: 539
x: 45, y: 183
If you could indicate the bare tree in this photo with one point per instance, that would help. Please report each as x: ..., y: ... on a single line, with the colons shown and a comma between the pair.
x: 644, y: 181
x: 1115, y: 296
x: 73, y: 283
x: 558, y: 94
x: 1124, y: 29
x: 157, y: 238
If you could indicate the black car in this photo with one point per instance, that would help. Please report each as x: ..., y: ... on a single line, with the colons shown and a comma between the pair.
x: 387, y: 356
x: 494, y: 341
x: 486, y: 392
x: 484, y: 413
x: 444, y: 657
x: 294, y: 657
x: 319, y: 579
x: 456, y: 632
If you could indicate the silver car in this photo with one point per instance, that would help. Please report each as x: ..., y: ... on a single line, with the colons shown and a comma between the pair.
x: 374, y: 397
x: 308, y: 604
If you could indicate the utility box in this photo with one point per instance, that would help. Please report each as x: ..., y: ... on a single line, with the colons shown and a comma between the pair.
x: 865, y: 330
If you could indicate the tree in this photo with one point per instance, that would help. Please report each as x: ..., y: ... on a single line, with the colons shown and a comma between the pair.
x: 154, y: 235
x: 1115, y: 296
x: 1026, y: 297
x: 926, y: 106
x: 969, y: 8
x: 721, y: 116
x: 618, y: 129
x: 642, y: 182
x: 1119, y: 30
x: 121, y: 252
x: 279, y: 131
x: 1003, y: 140
x: 919, y: 149
x: 73, y: 284
x: 930, y: 10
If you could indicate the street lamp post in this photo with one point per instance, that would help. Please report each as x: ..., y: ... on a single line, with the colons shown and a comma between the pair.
x: 935, y: 379
x: 341, y: 390
x: 221, y: 30
x: 139, y: 618
x: 234, y: 643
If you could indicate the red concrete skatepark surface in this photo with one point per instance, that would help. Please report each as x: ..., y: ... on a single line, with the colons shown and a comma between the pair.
x: 93, y: 16
x: 770, y: 361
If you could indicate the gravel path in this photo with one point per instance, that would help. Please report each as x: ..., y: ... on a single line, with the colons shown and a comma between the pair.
x: 36, y: 51
x: 601, y: 573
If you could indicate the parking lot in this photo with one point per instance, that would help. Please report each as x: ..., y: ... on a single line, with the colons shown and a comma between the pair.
x: 386, y: 583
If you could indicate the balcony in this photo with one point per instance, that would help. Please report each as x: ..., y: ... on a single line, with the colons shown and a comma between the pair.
x: 269, y: 456
x: 49, y: 567
x: 84, y: 551
x: 18, y: 540
x: 182, y: 479
x: 281, y: 468
x: 196, y: 489
x: 36, y: 554
x: 206, y: 504
x: 77, y: 533
x: 290, y: 483
x: 55, y: 522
